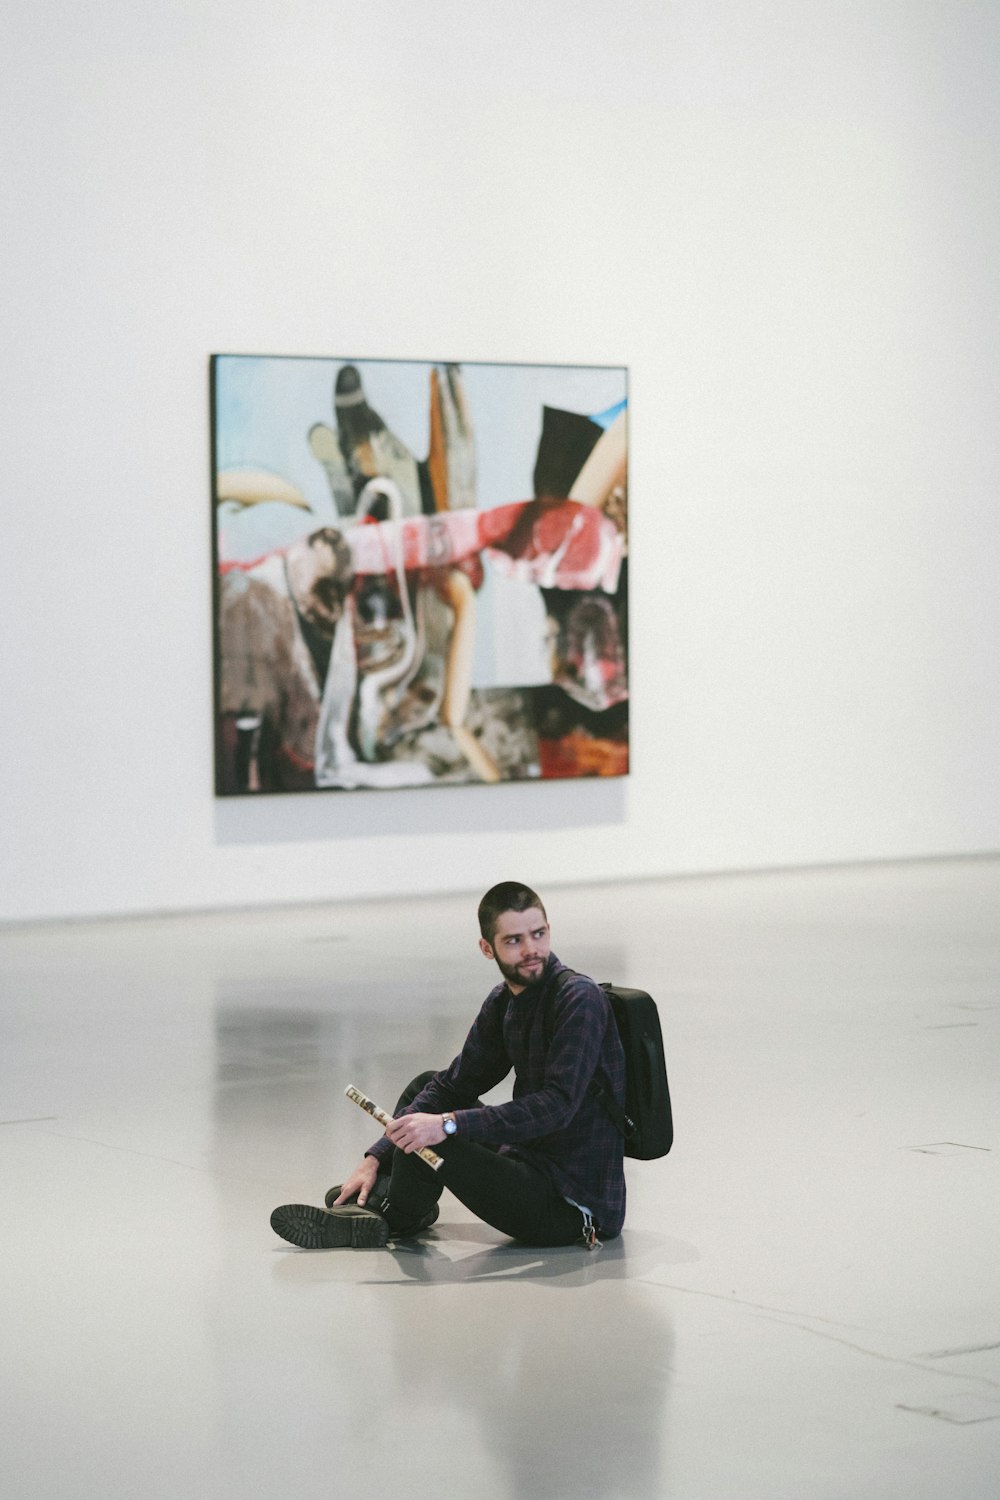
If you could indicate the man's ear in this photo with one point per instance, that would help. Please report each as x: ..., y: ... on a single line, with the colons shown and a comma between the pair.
x: 485, y: 949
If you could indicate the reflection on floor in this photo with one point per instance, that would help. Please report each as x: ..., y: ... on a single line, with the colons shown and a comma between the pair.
x: 805, y: 1301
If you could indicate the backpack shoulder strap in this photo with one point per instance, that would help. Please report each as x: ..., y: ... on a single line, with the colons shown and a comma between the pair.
x: 595, y: 1088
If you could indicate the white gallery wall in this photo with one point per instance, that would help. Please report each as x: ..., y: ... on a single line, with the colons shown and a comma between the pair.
x: 781, y: 215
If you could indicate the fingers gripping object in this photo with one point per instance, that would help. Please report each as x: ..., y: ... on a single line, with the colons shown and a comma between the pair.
x: 430, y: 1157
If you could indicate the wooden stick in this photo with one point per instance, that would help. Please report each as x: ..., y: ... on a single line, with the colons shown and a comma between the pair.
x: 430, y: 1157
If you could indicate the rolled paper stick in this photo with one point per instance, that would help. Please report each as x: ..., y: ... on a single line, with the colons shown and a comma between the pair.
x: 430, y: 1157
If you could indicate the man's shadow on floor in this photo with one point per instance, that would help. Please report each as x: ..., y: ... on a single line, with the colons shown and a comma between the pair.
x: 427, y: 1259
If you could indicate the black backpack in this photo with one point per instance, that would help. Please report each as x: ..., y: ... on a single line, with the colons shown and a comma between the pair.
x: 646, y: 1121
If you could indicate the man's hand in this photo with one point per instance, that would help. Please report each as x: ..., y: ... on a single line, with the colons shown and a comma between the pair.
x: 414, y: 1132
x: 361, y: 1181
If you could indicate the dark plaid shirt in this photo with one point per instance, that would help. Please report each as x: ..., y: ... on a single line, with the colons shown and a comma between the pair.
x: 555, y: 1037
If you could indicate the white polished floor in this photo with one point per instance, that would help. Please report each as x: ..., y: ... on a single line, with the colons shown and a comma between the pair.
x: 805, y: 1301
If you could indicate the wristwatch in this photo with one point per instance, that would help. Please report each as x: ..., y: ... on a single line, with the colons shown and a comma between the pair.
x: 449, y: 1124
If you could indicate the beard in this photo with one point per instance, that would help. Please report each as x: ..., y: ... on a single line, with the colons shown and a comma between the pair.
x: 513, y: 972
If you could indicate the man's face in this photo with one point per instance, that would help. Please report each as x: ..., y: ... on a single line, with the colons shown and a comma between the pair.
x: 520, y: 946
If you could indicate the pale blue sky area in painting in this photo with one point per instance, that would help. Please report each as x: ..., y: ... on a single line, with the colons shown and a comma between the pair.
x: 265, y: 407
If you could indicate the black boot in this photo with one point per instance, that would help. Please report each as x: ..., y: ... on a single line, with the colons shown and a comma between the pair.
x: 378, y: 1199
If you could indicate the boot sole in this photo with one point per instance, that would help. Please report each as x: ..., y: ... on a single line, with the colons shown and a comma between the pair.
x: 316, y: 1229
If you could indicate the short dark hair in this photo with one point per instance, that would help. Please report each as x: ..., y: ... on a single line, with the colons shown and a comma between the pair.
x: 509, y: 895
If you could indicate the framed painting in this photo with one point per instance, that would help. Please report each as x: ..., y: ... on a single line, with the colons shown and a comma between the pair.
x: 421, y: 573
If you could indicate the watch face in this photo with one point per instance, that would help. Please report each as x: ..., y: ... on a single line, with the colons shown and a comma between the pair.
x: 450, y: 1127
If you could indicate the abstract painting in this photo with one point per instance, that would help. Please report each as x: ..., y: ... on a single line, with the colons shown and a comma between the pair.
x: 421, y: 572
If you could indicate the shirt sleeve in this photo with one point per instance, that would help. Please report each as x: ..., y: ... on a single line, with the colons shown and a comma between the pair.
x: 579, y: 1014
x: 482, y: 1064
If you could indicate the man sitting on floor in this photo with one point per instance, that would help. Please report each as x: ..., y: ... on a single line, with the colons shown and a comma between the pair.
x: 545, y: 1168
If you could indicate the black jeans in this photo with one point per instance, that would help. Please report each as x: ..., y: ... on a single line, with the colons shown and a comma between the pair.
x: 514, y: 1196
